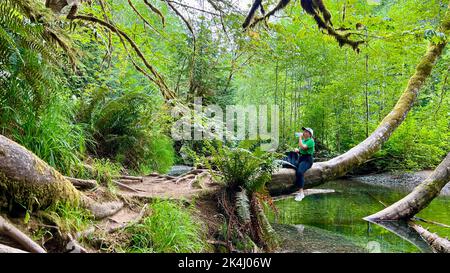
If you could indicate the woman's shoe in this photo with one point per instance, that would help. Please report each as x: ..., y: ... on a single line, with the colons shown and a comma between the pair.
x: 299, y: 196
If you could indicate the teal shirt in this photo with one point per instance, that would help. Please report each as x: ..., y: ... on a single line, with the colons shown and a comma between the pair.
x: 310, y: 144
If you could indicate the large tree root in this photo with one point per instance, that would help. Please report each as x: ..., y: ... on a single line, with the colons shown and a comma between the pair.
x: 132, y: 222
x: 11, y: 231
x: 83, y: 183
x: 102, y: 210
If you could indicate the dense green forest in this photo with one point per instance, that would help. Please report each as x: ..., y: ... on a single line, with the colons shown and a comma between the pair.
x: 88, y: 87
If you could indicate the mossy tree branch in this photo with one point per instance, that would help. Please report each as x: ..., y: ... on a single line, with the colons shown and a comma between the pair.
x: 341, y: 38
x: 27, y: 180
x: 157, y: 78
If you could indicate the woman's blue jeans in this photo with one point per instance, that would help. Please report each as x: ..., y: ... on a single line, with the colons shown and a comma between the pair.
x: 302, y: 163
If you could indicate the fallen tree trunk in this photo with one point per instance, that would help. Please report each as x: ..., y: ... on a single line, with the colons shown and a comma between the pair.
x: 24, y: 177
x: 438, y: 244
x: 320, y: 172
x: 27, y: 180
x: 14, y: 233
x: 419, y: 198
x: 404, y: 230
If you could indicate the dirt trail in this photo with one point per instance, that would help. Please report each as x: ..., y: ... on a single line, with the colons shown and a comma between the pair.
x: 186, y: 186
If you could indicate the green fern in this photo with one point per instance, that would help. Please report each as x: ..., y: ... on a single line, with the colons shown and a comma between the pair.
x: 242, y: 168
x: 125, y: 130
x: 35, y: 108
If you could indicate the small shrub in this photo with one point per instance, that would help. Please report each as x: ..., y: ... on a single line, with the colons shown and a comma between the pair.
x: 240, y: 167
x: 169, y: 229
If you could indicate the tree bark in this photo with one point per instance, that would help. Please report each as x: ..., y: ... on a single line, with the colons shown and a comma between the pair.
x: 338, y: 166
x: 419, y: 198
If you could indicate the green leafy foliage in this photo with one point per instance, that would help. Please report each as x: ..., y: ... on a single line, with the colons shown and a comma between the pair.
x: 122, y: 126
x: 35, y: 108
x: 169, y: 228
x: 243, y: 168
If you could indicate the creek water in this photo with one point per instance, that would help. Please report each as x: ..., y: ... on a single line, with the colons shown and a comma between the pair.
x: 333, y: 222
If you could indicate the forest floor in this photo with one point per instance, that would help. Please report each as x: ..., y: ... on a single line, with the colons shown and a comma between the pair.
x: 196, y: 188
x: 186, y: 186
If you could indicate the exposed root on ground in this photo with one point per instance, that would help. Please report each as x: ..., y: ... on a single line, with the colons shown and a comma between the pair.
x: 114, y: 211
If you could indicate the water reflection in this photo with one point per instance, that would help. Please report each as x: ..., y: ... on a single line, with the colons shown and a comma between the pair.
x: 333, y: 222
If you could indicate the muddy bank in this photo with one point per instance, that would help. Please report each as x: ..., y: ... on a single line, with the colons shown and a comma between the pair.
x: 401, y: 181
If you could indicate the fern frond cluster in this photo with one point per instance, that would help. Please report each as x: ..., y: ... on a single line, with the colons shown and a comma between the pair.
x: 245, y: 174
x: 125, y: 128
x: 35, y: 107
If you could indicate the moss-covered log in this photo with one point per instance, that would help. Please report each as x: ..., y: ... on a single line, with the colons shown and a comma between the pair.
x: 27, y: 180
x: 322, y: 171
x: 419, y: 198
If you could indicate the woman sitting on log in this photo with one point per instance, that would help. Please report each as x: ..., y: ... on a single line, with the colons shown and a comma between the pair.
x: 302, y: 159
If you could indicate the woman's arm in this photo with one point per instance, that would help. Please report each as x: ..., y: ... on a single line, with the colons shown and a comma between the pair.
x: 300, y: 144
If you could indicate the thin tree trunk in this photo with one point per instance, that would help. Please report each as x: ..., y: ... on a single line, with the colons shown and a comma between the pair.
x: 338, y: 166
x: 419, y: 198
x: 367, y: 89
x: 276, y: 83
x: 283, y: 122
x: 291, y: 102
